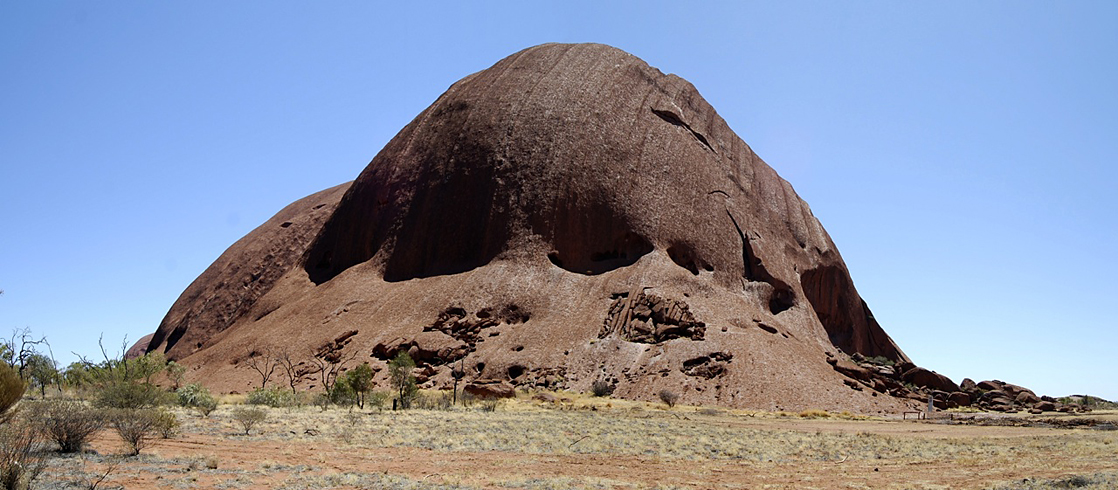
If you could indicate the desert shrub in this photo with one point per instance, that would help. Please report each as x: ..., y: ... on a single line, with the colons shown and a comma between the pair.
x: 602, y: 387
x: 272, y: 397
x: 189, y: 395
x: 134, y: 425
x: 249, y: 417
x: 467, y: 399
x: 880, y: 361
x: 166, y: 423
x: 377, y: 399
x: 433, y: 401
x: 669, y: 397
x: 21, y: 457
x: 197, y: 397
x: 489, y: 404
x: 12, y: 388
x: 321, y: 400
x: 70, y: 424
x: 206, y: 407
x: 130, y: 395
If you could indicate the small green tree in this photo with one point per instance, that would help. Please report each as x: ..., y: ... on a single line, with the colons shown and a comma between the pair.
x: 403, y: 381
x: 360, y: 379
x: 41, y: 370
x: 146, y: 366
x: 77, y: 377
x: 175, y: 373
x: 343, y: 395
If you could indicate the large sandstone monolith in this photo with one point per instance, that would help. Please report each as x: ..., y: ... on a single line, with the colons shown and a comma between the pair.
x: 567, y: 216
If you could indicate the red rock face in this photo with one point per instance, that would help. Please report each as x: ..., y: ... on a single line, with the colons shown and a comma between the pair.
x: 231, y: 286
x: 577, y: 187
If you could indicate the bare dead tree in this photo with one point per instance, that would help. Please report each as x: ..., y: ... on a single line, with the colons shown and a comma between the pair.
x: 292, y: 368
x: 27, y: 348
x: 329, y: 364
x: 264, y: 361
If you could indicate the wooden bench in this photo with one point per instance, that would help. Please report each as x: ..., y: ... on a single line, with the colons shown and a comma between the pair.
x: 919, y: 415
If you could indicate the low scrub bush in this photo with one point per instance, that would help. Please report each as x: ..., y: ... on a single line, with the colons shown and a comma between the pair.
x: 489, y: 404
x: 880, y: 361
x: 197, y: 397
x: 206, y: 407
x: 377, y: 399
x: 669, y: 397
x: 191, y: 394
x: 135, y: 426
x: 602, y: 388
x: 166, y: 423
x: 12, y: 388
x: 129, y: 395
x: 249, y: 417
x: 70, y: 424
x: 433, y: 401
x: 272, y: 397
x: 21, y: 455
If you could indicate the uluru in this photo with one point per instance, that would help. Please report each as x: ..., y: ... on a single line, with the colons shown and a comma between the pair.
x: 570, y: 215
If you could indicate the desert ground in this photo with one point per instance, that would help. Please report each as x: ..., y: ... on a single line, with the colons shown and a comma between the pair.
x: 576, y: 441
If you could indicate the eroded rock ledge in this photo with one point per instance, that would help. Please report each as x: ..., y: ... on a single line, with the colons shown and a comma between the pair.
x: 650, y: 319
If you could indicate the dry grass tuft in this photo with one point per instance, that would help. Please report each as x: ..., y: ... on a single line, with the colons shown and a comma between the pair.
x: 815, y: 414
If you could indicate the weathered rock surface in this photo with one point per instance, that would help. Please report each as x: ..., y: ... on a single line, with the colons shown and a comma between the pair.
x: 139, y: 348
x: 567, y: 215
x: 1000, y: 396
x: 231, y: 287
x: 490, y: 388
x: 930, y: 379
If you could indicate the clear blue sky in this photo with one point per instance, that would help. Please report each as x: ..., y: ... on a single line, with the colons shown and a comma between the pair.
x: 961, y: 154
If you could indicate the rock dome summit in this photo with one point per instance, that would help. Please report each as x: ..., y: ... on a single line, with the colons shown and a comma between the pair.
x: 566, y: 216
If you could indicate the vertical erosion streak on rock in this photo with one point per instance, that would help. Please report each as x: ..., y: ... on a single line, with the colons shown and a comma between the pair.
x: 782, y: 296
x: 824, y: 290
x: 454, y: 224
x: 846, y: 318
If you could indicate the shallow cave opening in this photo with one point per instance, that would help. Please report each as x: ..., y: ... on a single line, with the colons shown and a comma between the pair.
x: 590, y: 237
x: 781, y: 299
x: 516, y: 371
x: 624, y: 251
x: 684, y: 257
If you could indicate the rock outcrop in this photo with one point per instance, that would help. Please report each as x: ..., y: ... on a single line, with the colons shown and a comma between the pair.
x: 570, y: 214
